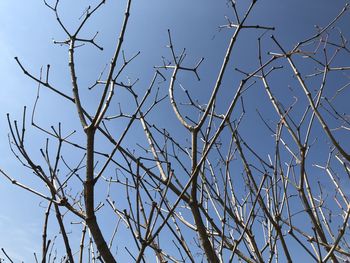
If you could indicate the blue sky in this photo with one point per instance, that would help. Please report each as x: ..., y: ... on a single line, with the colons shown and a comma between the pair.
x: 28, y: 29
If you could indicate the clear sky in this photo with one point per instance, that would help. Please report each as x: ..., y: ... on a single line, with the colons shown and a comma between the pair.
x: 28, y: 28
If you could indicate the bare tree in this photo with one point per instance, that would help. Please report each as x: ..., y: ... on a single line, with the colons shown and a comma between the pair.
x: 207, y: 192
